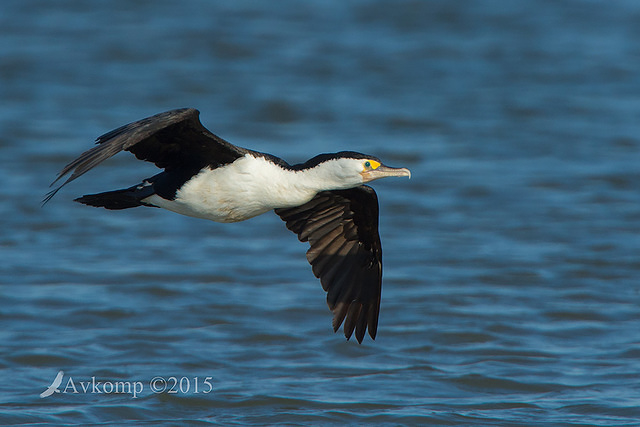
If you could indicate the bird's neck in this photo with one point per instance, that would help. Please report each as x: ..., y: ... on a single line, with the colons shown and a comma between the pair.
x: 321, y: 177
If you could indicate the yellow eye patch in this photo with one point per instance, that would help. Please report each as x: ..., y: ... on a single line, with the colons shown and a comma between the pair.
x: 371, y: 164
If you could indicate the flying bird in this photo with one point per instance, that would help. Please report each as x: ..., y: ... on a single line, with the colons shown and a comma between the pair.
x: 323, y: 200
x: 53, y: 388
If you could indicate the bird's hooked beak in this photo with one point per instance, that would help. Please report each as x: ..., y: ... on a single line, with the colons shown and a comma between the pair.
x: 383, y: 171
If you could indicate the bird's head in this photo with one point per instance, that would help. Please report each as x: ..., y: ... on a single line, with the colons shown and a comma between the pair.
x: 373, y: 169
x: 348, y: 169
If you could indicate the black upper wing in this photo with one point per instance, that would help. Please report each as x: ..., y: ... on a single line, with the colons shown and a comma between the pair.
x: 172, y: 140
x: 342, y: 229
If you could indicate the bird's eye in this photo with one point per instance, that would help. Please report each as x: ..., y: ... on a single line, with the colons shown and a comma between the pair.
x: 367, y: 165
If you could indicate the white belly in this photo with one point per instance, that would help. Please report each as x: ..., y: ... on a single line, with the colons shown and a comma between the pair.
x: 248, y: 187
x: 219, y: 211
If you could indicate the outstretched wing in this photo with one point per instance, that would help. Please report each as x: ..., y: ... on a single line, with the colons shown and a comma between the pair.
x: 342, y: 228
x: 173, y: 139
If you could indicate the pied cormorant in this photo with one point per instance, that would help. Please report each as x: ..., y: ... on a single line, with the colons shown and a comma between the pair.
x: 322, y: 200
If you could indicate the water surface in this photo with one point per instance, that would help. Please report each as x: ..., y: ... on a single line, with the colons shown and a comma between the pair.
x: 510, y: 292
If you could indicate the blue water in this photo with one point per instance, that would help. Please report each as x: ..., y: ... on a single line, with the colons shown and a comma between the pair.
x: 511, y: 291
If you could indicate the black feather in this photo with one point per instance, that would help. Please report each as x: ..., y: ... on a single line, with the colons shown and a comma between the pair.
x: 345, y: 253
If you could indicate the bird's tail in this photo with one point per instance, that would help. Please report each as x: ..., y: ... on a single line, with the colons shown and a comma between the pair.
x: 119, y: 199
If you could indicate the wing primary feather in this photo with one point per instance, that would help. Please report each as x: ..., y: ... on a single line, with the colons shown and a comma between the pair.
x: 339, y: 313
x: 372, y: 318
x: 361, y: 322
x: 352, y: 317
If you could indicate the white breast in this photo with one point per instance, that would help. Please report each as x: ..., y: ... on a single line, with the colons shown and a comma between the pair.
x: 248, y: 187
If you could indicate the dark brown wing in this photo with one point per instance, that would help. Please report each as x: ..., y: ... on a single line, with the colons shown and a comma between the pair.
x: 172, y: 140
x: 342, y: 229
